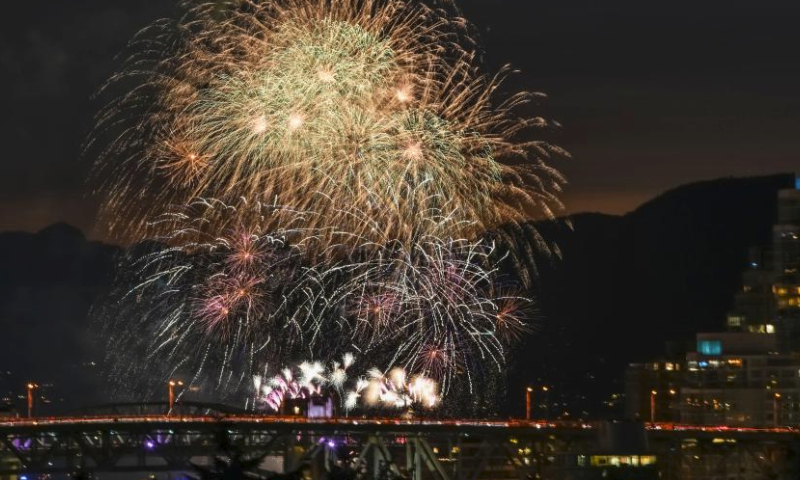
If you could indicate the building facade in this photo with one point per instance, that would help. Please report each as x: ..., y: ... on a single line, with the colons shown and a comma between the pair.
x: 748, y: 375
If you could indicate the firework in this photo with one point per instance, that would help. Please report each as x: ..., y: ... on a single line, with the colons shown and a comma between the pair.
x: 330, y: 103
x: 435, y: 308
x: 396, y: 391
x: 311, y: 379
x: 214, y: 293
x: 331, y: 170
x: 220, y: 290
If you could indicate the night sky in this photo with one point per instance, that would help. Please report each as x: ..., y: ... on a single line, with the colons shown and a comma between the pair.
x: 651, y: 94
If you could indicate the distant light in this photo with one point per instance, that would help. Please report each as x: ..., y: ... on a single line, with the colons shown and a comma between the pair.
x: 331, y: 443
x: 797, y: 183
x: 23, y: 477
x: 150, y: 445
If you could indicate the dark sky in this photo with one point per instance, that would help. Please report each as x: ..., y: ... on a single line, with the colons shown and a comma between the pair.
x: 651, y: 94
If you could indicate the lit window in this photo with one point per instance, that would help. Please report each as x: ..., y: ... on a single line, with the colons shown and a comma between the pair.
x: 734, y: 321
x: 709, y: 347
x: 770, y: 328
x: 646, y: 460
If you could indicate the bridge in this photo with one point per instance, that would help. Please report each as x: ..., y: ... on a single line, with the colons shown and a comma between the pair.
x: 194, y: 438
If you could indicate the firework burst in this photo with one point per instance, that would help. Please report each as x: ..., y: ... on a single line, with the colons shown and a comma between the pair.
x: 376, y: 390
x: 375, y: 157
x: 330, y: 103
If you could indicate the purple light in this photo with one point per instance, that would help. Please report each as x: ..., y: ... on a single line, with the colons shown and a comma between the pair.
x: 331, y: 443
x: 149, y: 445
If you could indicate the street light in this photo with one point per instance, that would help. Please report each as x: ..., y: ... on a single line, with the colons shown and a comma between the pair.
x: 528, y: 392
x: 546, y: 402
x: 653, y: 394
x: 31, y: 388
x: 776, y: 400
x: 172, y: 384
x: 673, y: 406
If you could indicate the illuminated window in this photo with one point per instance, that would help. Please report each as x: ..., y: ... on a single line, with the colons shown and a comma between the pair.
x: 669, y: 366
x: 734, y: 321
x: 770, y: 328
x: 709, y: 347
x: 757, y: 328
x: 646, y: 460
x: 735, y: 362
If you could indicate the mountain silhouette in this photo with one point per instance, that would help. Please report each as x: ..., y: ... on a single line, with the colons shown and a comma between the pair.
x: 621, y: 287
x: 48, y: 282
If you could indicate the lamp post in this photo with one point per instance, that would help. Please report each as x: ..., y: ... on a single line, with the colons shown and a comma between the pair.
x: 673, y: 407
x: 528, y: 392
x: 546, y: 391
x: 31, y: 388
x: 653, y: 394
x: 776, y: 409
x: 171, y: 385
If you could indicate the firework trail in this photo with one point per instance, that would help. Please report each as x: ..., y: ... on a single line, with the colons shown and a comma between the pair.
x: 220, y: 292
x: 329, y: 171
x: 213, y: 294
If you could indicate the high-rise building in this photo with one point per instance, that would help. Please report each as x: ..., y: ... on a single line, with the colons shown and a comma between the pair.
x: 786, y: 266
x: 750, y: 374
